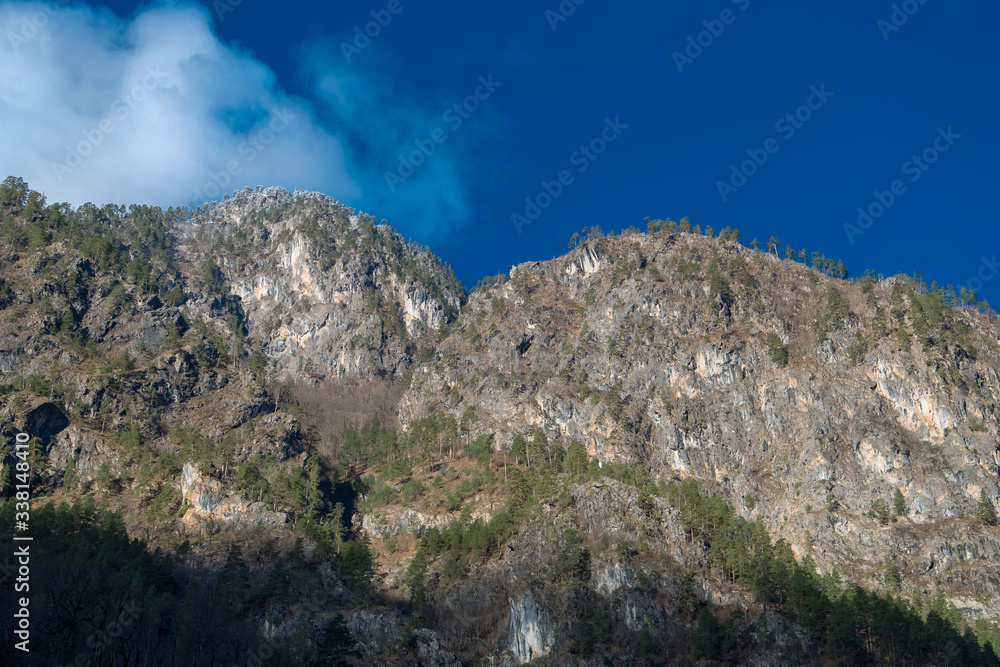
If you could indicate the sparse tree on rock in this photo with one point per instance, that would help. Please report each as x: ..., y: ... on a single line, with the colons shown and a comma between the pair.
x: 898, y: 503
x: 986, y: 512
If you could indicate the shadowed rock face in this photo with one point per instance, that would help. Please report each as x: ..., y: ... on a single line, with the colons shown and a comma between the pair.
x: 531, y: 631
x: 45, y: 421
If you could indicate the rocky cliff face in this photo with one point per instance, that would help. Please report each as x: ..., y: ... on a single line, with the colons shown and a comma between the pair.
x: 327, y: 291
x: 208, y: 500
x: 654, y: 350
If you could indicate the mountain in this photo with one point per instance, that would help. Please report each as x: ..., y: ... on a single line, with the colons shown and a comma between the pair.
x: 278, y: 432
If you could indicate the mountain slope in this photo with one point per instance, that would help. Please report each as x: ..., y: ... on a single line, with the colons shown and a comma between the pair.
x: 655, y: 449
x: 653, y: 350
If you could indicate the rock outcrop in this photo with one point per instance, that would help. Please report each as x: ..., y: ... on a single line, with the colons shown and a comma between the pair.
x: 209, y: 501
x: 327, y: 292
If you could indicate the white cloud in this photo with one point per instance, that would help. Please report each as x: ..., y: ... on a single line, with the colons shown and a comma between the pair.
x: 155, y: 109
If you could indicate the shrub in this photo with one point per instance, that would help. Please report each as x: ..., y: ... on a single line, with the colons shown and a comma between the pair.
x: 879, y: 512
x: 858, y: 349
x: 105, y: 480
x: 412, y: 489
x: 380, y: 495
x: 776, y: 350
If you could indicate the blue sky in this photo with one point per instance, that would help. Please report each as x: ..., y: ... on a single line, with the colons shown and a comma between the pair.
x: 920, y: 84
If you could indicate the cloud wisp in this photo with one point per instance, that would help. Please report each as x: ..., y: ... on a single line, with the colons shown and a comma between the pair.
x: 156, y: 109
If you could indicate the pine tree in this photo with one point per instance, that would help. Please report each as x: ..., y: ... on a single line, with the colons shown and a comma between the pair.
x: 711, y: 639
x: 576, y: 460
x: 416, y: 577
x: 336, y: 645
x: 776, y: 349
x: 234, y: 580
x: 104, y: 480
x: 539, y: 448
x: 879, y: 512
x: 70, y: 480
x: 357, y: 566
x: 986, y: 512
x: 68, y: 321
x: 898, y: 503
x: 893, y: 578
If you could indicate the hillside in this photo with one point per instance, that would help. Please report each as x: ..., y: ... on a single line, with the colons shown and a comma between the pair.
x: 805, y: 399
x: 659, y: 448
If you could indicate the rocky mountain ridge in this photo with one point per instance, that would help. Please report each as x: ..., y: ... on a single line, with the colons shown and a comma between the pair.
x: 651, y: 349
x: 215, y: 375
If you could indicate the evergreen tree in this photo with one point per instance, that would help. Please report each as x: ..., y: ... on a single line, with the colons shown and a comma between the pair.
x: 336, y: 645
x: 711, y: 639
x: 70, y: 480
x: 416, y: 576
x: 776, y: 349
x: 357, y: 566
x: 879, y: 512
x: 576, y: 460
x: 985, y: 512
x: 104, y: 479
x: 893, y: 578
x: 234, y: 580
x: 898, y: 503
x: 519, y: 448
x: 539, y: 449
x: 68, y: 322
x: 277, y: 581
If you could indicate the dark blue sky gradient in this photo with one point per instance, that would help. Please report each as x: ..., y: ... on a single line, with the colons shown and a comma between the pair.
x: 685, y: 130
